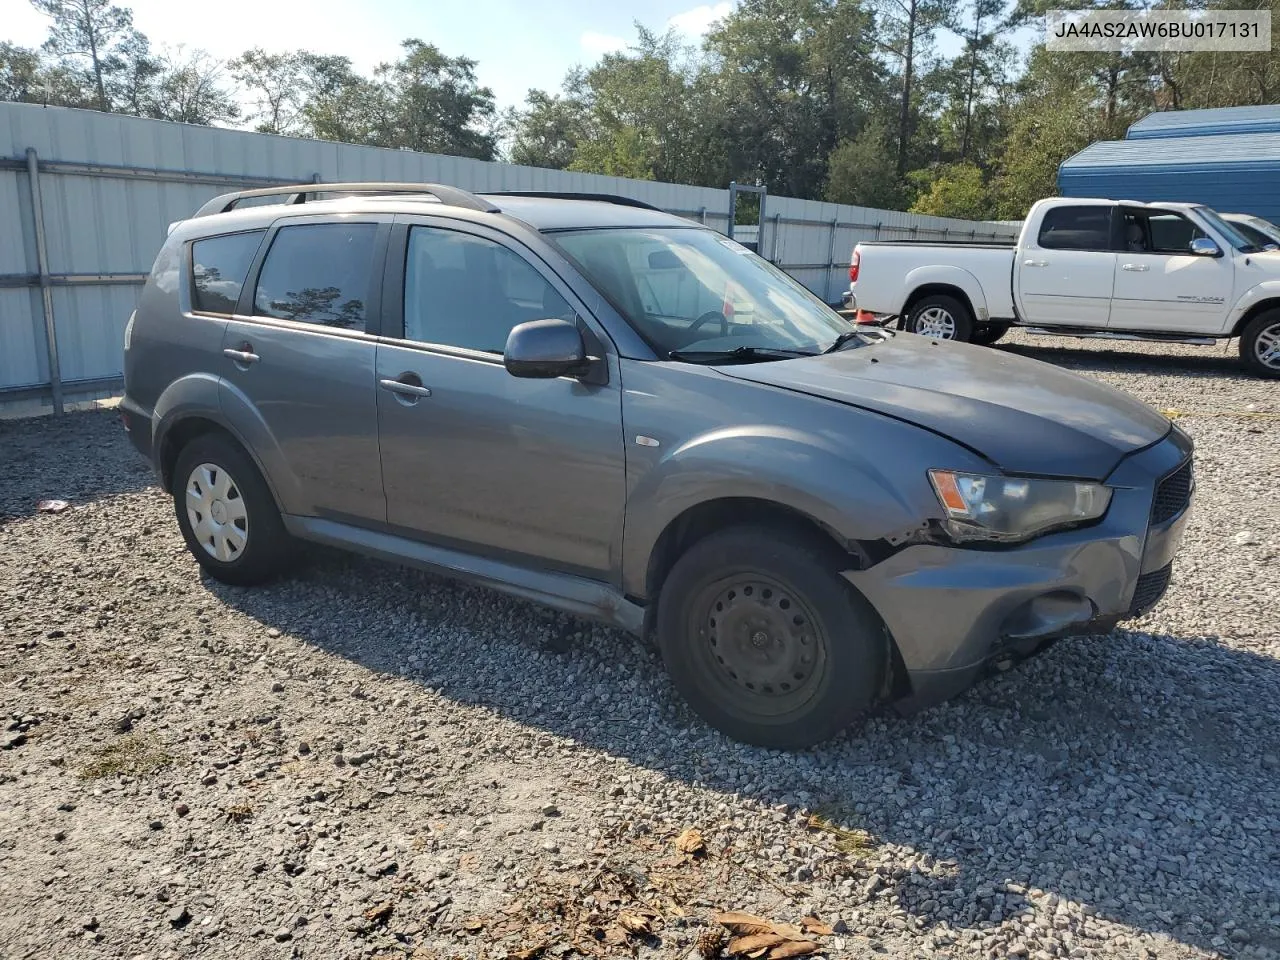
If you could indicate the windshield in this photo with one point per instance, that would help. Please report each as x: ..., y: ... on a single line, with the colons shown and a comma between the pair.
x: 1266, y: 228
x: 693, y: 291
x: 1255, y: 236
x: 1228, y: 230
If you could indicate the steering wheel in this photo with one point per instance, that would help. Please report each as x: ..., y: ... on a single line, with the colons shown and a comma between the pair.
x: 707, y: 318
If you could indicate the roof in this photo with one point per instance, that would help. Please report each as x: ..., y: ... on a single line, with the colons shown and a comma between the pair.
x: 1211, y: 122
x: 552, y: 213
x: 1260, y: 151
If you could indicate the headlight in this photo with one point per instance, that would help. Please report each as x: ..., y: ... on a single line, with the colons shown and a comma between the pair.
x: 1011, y: 508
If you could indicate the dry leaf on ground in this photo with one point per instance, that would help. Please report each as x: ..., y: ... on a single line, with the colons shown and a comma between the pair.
x: 380, y: 913
x: 743, y: 924
x: 634, y: 923
x: 473, y: 924
x: 794, y: 948
x: 816, y: 927
x: 691, y: 842
x: 745, y: 946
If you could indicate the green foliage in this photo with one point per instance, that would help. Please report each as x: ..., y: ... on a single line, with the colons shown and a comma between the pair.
x: 863, y: 171
x: 957, y: 190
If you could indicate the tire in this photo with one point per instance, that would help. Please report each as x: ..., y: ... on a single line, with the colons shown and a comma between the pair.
x: 781, y: 684
x: 1260, y: 344
x: 239, y: 538
x: 941, y: 317
x: 988, y: 333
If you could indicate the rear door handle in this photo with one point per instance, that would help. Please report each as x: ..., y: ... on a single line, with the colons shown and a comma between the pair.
x: 1135, y: 267
x: 1035, y: 263
x: 405, y: 389
x: 241, y: 356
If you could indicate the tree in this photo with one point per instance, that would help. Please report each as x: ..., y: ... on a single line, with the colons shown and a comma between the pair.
x: 21, y: 76
x: 92, y: 31
x: 908, y: 29
x: 548, y: 131
x: 189, y: 90
x: 862, y: 172
x: 957, y: 191
x: 436, y: 104
x: 274, y: 81
x: 983, y: 59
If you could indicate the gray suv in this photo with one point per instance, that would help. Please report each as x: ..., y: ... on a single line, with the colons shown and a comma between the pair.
x: 589, y: 403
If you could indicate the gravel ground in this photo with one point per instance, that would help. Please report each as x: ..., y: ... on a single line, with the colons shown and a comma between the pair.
x: 365, y: 761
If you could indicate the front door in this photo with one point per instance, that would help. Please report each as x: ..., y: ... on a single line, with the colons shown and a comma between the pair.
x: 1160, y: 285
x: 1063, y: 276
x: 298, y: 365
x: 473, y: 457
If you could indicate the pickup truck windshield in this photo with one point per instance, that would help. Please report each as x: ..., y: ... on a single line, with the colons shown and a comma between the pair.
x: 1229, y: 231
x: 697, y: 294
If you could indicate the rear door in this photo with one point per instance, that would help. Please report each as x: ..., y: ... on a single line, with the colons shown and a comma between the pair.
x: 1064, y: 275
x: 298, y: 365
x: 1160, y: 285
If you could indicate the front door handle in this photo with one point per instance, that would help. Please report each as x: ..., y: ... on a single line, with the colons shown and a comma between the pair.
x: 1135, y: 267
x: 405, y: 388
x: 1035, y: 263
x: 244, y: 357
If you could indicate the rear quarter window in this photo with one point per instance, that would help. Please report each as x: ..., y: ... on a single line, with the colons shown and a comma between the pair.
x: 219, y: 266
x: 1076, y: 228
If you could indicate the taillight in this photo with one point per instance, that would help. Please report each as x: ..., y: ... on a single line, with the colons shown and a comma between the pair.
x: 853, y: 266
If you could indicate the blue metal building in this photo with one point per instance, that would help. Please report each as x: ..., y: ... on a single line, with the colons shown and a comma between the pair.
x: 1207, y: 123
x: 1231, y: 172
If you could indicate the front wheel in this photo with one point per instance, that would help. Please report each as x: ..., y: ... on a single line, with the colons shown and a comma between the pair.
x: 940, y: 317
x: 1260, y: 344
x: 764, y: 639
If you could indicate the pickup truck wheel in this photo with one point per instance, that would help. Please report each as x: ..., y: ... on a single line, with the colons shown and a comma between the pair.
x: 1260, y: 344
x: 988, y: 333
x: 940, y: 317
x: 765, y: 641
x: 227, y: 514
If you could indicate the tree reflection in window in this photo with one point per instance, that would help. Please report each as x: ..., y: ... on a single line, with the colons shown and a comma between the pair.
x: 319, y: 305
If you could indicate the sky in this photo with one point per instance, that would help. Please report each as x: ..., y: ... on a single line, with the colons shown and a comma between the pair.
x: 518, y: 45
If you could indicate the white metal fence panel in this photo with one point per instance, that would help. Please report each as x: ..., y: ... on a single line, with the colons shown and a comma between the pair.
x: 111, y: 185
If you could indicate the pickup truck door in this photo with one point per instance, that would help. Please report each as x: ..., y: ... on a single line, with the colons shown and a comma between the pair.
x: 1160, y: 285
x: 1063, y: 273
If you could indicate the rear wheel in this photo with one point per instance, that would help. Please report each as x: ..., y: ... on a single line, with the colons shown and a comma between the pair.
x: 1260, y: 344
x: 226, y: 512
x: 940, y: 317
x: 988, y: 333
x: 764, y: 639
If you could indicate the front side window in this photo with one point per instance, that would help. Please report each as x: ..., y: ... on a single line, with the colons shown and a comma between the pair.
x: 218, y: 268
x: 1076, y: 228
x: 465, y: 291
x: 318, y: 273
x: 689, y: 289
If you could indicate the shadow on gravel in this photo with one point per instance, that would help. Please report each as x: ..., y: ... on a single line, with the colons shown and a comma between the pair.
x: 1089, y: 357
x: 1118, y: 772
x: 78, y: 457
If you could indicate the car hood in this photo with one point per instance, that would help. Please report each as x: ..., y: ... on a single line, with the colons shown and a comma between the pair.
x: 1024, y: 415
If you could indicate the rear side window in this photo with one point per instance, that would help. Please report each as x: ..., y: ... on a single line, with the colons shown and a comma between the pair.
x: 1076, y: 228
x: 218, y: 268
x: 318, y: 273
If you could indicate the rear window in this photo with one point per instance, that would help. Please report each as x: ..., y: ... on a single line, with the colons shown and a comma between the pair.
x: 318, y: 273
x: 218, y: 268
x: 1076, y: 228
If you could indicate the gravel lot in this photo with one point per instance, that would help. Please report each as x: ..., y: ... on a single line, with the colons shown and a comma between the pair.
x: 365, y: 761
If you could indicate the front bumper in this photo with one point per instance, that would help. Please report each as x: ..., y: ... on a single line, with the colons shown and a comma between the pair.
x: 953, y: 610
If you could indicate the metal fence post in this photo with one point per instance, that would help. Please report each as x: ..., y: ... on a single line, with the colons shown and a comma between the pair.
x: 46, y: 285
x: 777, y: 224
x: 831, y: 259
x: 733, y: 208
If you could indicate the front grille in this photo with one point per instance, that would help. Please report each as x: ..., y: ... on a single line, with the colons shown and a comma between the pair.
x: 1173, y: 493
x: 1151, y: 587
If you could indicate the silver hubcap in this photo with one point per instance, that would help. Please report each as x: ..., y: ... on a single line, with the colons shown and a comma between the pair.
x: 936, y: 322
x: 217, y: 513
x: 1267, y: 347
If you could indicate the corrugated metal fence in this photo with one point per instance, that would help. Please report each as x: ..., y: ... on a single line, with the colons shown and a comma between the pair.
x: 86, y: 198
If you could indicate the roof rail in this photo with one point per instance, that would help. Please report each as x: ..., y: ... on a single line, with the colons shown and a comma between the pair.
x: 557, y: 195
x: 298, y: 193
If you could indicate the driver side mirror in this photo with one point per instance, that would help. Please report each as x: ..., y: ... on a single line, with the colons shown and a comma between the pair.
x: 544, y: 349
x: 1204, y: 247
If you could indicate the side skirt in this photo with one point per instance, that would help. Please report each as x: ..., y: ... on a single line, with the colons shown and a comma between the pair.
x: 576, y: 595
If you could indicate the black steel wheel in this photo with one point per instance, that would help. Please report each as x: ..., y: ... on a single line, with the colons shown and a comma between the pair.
x: 766, y: 641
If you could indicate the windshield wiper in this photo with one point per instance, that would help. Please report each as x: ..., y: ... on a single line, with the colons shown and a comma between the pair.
x: 738, y: 354
x: 841, y: 340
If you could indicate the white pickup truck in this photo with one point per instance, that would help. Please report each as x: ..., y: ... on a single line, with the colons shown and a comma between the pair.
x: 1105, y: 268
